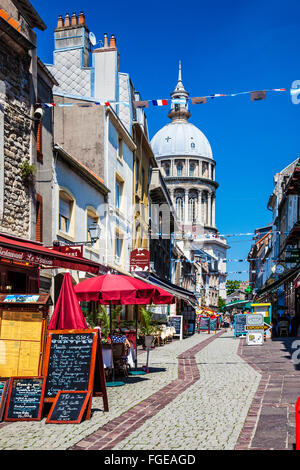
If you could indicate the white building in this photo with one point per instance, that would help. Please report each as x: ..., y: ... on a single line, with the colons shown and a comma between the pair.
x: 185, y: 156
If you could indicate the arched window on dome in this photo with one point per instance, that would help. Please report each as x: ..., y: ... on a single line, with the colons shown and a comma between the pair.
x: 179, y: 169
x: 192, y: 209
x: 192, y: 169
x: 167, y: 169
x: 179, y: 207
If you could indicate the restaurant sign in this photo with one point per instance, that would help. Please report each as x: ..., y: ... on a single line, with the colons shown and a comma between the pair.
x: 25, y: 257
x: 139, y: 260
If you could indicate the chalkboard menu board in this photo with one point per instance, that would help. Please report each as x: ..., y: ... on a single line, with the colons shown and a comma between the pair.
x: 69, y: 361
x: 240, y: 324
x: 4, y: 384
x: 25, y: 399
x: 213, y: 324
x: 176, y: 322
x: 68, y: 407
x: 204, y: 324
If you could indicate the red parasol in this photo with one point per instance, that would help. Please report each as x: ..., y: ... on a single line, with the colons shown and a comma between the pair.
x: 116, y: 289
x: 67, y: 313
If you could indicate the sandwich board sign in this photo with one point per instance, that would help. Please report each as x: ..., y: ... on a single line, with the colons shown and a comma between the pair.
x: 255, y: 329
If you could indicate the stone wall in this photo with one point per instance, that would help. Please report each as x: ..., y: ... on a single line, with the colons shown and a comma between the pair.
x: 16, y: 134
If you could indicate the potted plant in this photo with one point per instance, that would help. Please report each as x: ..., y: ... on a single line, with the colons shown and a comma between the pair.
x: 148, y: 329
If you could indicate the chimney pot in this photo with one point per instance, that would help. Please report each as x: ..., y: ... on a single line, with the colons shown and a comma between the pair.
x: 67, y: 20
x: 60, y: 22
x: 81, y: 18
x: 113, y: 41
x: 74, y: 19
x: 105, y: 41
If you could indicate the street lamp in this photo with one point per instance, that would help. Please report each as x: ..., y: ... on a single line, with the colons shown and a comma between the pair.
x: 94, y: 232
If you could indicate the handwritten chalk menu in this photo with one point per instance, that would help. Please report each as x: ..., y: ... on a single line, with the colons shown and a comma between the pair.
x: 25, y: 399
x: 176, y: 322
x: 213, y: 324
x: 240, y: 324
x: 69, y: 361
x: 204, y: 324
x: 68, y: 407
x: 4, y: 384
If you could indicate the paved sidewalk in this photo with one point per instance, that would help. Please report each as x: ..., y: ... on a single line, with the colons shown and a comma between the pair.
x: 163, y: 370
x: 270, y: 422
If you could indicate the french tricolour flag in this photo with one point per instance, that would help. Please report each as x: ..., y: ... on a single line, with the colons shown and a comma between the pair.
x: 159, y: 102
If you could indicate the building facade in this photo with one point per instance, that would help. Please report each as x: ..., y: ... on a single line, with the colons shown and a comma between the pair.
x: 185, y: 157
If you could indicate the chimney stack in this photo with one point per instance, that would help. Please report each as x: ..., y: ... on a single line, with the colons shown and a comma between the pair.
x: 113, y: 42
x: 74, y: 19
x: 60, y: 22
x: 81, y: 18
x: 105, y: 41
x: 67, y: 20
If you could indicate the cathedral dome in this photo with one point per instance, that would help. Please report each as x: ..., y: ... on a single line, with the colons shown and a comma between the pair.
x: 181, y: 138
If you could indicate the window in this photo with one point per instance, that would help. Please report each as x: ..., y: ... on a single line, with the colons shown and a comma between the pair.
x: 38, y: 136
x: 118, y: 248
x: 119, y: 192
x: 192, y: 169
x: 192, y: 209
x: 120, y: 148
x: 167, y: 170
x: 192, y: 145
x: 179, y: 169
x: 39, y: 219
x: 65, y: 212
x: 179, y: 207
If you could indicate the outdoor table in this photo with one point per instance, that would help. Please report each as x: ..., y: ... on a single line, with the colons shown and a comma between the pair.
x: 107, y: 355
x: 131, y: 356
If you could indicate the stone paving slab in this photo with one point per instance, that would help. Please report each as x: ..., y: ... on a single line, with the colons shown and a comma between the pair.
x: 38, y: 435
x: 270, y: 423
x: 210, y: 413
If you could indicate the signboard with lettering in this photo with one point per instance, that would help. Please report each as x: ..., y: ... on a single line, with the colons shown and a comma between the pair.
x: 213, y: 324
x: 140, y: 260
x: 255, y: 338
x: 204, y: 323
x: 177, y: 322
x: 4, y: 384
x: 25, y: 399
x: 240, y: 320
x: 68, y: 407
x: 71, y: 357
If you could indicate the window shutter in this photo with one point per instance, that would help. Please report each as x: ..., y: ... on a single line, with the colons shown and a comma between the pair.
x: 39, y: 218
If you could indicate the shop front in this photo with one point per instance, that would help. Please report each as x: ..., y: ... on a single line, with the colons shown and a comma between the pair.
x: 24, y: 307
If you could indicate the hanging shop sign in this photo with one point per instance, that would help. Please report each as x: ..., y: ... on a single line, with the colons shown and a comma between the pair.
x: 140, y: 260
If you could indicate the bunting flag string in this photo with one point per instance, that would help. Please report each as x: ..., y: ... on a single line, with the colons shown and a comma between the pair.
x: 254, y: 96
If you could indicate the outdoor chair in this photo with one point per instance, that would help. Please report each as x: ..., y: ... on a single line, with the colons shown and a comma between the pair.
x: 284, y: 328
x: 119, y: 357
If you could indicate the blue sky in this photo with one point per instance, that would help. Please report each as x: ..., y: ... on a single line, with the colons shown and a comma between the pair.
x: 225, y: 46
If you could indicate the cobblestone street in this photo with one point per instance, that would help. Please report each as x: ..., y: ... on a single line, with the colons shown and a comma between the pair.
x: 196, y: 396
